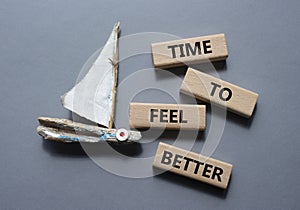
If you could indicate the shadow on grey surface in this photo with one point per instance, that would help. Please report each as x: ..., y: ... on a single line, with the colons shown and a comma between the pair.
x: 243, y: 121
x: 130, y: 150
x: 64, y: 149
x: 191, y: 183
x: 172, y: 134
x: 230, y: 116
x: 204, y: 67
x: 207, y: 67
x: 179, y: 71
x: 98, y: 149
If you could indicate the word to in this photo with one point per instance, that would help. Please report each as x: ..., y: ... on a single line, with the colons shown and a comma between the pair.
x: 211, y: 89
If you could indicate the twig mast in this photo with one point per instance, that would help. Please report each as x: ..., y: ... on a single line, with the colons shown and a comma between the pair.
x: 115, y: 64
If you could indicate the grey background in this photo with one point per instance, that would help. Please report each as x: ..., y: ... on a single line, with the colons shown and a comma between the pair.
x: 43, y: 47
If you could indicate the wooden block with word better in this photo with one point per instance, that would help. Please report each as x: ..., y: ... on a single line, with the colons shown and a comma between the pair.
x: 222, y: 93
x: 189, y: 51
x: 169, y: 116
x: 192, y: 165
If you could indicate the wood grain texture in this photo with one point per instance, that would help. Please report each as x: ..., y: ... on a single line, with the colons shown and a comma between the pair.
x: 192, y: 165
x: 189, y: 51
x: 211, y: 89
x: 169, y: 116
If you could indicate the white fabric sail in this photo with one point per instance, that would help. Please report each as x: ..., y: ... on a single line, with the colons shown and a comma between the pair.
x: 94, y: 96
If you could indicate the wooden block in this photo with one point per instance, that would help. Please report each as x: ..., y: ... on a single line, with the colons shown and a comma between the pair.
x: 222, y: 93
x: 189, y: 51
x: 169, y: 116
x: 192, y: 165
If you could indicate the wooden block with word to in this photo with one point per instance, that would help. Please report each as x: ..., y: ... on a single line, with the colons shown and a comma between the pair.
x: 169, y: 116
x: 222, y: 93
x: 189, y: 51
x: 192, y: 165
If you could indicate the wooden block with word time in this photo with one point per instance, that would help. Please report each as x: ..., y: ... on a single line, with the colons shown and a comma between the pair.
x: 211, y: 89
x: 169, y: 116
x: 189, y: 51
x: 192, y: 165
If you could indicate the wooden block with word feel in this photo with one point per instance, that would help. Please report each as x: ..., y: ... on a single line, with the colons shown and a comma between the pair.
x: 169, y: 116
x: 192, y: 165
x: 222, y: 93
x: 189, y: 51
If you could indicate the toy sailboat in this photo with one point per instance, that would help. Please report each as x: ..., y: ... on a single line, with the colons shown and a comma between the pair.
x: 94, y: 99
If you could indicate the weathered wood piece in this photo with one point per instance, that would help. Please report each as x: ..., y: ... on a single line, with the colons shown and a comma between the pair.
x: 68, y: 131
